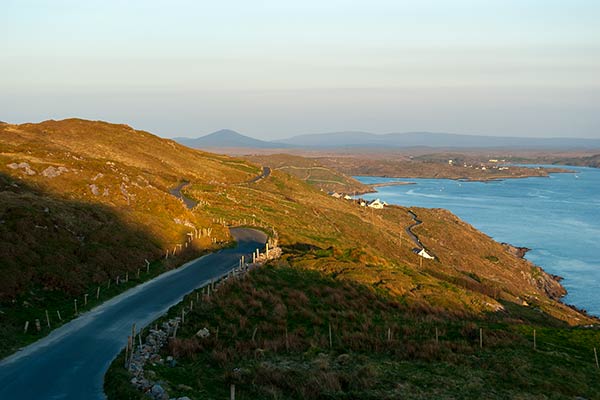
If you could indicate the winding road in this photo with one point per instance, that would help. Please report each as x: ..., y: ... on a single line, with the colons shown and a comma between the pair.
x: 70, y: 363
x: 176, y: 191
x: 190, y: 204
x: 409, y: 231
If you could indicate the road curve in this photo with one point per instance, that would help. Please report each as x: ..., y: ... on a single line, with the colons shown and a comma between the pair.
x: 70, y: 363
x: 266, y: 171
x: 176, y: 191
x: 409, y: 231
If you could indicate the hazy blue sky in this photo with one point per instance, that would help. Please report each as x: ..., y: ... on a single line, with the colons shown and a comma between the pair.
x: 277, y: 68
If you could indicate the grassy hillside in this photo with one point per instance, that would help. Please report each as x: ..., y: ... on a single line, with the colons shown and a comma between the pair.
x: 270, y: 336
x: 471, y: 272
x: 83, y: 202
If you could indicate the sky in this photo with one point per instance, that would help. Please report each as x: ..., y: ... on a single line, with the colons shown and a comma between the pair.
x: 278, y: 68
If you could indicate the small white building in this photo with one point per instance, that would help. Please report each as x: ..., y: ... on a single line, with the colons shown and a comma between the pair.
x: 425, y: 254
x: 336, y: 195
x: 377, y: 204
x: 347, y: 197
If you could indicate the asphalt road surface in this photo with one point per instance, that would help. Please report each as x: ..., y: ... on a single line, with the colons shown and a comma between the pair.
x: 70, y: 363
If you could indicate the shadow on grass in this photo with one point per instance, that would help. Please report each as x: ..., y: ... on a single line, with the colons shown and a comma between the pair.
x: 54, y: 250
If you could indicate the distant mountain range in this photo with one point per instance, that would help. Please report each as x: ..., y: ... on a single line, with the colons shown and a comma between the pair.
x: 352, y: 139
x: 228, y: 138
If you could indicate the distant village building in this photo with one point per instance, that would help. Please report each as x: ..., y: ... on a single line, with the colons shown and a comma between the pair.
x: 377, y: 204
x: 347, y: 197
x: 335, y: 195
x: 450, y: 162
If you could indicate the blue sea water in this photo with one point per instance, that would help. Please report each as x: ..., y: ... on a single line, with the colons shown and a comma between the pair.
x: 557, y: 217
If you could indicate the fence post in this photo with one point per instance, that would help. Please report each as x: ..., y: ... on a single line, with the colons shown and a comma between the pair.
x: 596, y: 357
x: 26, y: 327
x: 98, y: 293
x: 287, y: 342
x: 534, y: 340
x: 232, y: 392
x: 58, y: 314
x: 76, y: 307
x: 47, y: 319
x: 481, y: 338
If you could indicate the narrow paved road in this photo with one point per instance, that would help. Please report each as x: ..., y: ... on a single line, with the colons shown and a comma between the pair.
x: 71, y: 362
x: 266, y: 171
x: 409, y: 231
x: 176, y: 191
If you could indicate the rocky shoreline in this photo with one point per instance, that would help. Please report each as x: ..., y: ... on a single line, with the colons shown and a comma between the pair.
x: 547, y: 282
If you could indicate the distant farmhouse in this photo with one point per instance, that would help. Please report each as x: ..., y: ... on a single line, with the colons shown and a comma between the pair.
x: 376, y: 204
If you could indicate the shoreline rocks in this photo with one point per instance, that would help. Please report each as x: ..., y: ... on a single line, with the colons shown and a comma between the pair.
x: 516, y: 251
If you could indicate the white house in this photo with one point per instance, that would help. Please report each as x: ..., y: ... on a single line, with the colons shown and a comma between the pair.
x: 377, y: 204
x: 347, y: 197
x: 425, y: 254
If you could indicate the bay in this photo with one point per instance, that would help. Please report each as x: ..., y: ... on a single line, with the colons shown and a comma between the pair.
x: 557, y: 217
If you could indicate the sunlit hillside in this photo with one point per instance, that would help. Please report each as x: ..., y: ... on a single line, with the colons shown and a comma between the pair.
x: 85, y: 202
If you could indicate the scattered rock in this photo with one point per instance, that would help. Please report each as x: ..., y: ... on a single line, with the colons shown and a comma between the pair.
x: 24, y: 166
x: 52, y: 172
x: 203, y: 333
x: 158, y: 392
x: 94, y: 189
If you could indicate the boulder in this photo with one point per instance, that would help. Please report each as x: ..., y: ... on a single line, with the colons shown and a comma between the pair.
x: 158, y: 392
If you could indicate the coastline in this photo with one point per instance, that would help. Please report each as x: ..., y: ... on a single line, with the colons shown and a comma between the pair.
x: 550, y: 283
